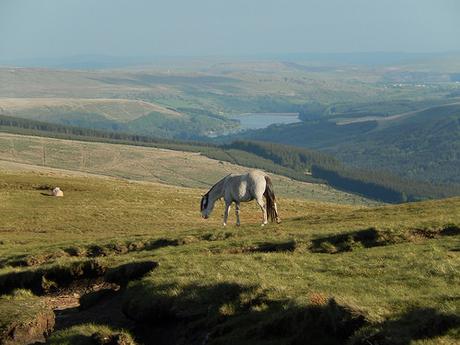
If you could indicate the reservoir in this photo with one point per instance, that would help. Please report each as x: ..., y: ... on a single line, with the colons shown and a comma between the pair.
x: 262, y: 120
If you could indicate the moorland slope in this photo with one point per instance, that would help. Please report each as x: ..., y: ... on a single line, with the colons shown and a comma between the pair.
x: 116, y: 254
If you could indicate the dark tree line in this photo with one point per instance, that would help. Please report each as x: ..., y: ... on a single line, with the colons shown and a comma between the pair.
x: 289, y: 156
x: 373, y: 184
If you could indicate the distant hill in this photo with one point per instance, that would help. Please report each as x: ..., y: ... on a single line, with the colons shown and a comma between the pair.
x: 208, y: 93
x: 421, y: 144
x: 136, y: 116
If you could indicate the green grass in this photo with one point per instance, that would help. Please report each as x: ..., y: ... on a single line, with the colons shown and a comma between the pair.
x: 329, y: 274
x: 19, y: 307
x: 103, y: 209
x: 23, y: 318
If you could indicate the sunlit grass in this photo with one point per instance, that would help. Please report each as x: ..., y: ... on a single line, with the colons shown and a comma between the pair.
x: 237, y: 282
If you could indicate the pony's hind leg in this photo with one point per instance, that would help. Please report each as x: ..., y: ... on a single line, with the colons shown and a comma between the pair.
x: 260, y: 202
x: 237, y: 212
x: 227, y: 210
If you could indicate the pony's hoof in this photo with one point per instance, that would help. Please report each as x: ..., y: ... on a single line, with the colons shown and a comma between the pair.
x: 238, y: 224
x: 225, y: 224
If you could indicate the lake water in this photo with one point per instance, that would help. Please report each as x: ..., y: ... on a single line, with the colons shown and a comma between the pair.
x: 262, y: 120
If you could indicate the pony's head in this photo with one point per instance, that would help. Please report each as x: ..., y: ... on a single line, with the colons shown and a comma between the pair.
x: 206, y: 206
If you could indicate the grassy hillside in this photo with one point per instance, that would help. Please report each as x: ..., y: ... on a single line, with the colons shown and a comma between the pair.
x: 424, y: 145
x: 135, y: 116
x: 45, y: 109
x: 179, y: 168
x: 115, y: 254
x: 375, y: 184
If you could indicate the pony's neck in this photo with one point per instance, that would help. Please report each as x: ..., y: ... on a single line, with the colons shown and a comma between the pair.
x: 217, y: 191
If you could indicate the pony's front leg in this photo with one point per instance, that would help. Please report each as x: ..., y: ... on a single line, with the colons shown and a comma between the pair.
x: 261, y: 204
x: 227, y: 210
x: 237, y: 212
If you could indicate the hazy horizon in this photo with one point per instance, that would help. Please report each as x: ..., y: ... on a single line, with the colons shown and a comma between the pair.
x: 57, y: 29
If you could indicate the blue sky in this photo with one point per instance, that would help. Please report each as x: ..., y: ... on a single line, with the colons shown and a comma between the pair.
x: 59, y: 28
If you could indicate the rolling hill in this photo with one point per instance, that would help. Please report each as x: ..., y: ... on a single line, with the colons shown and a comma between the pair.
x: 124, y: 115
x: 58, y: 109
x: 207, y: 91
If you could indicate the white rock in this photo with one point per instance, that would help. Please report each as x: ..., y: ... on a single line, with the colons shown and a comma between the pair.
x: 58, y: 192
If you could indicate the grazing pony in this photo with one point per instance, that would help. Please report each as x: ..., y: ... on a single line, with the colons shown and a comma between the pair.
x: 241, y: 188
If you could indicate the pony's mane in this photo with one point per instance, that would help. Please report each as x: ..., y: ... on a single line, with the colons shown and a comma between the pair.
x: 217, y: 183
x: 205, y: 198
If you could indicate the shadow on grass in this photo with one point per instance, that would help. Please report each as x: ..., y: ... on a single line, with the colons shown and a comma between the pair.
x: 366, y: 238
x: 229, y: 313
x: 417, y: 324
x: 123, y: 248
x: 372, y: 237
x: 55, y: 278
x: 267, y: 247
x: 39, y: 281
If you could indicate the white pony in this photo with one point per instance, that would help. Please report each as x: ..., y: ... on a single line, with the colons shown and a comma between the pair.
x: 240, y: 188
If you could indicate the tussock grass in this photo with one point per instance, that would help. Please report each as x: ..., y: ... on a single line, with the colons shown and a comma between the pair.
x: 90, y: 334
x: 373, y: 237
x: 24, y: 318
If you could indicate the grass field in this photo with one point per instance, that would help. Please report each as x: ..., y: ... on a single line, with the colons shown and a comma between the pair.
x: 329, y: 274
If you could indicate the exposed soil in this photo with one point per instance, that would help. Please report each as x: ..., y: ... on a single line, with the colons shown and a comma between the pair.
x: 105, y: 308
x: 106, y: 311
x: 33, y: 331
x: 89, y: 294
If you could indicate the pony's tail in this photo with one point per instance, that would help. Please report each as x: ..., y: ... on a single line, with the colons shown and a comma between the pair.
x: 272, y: 212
